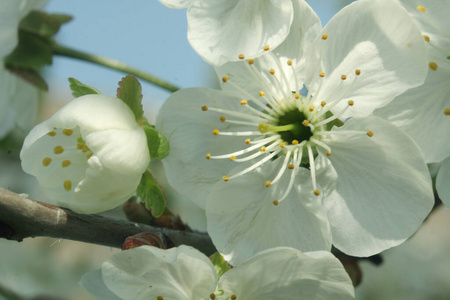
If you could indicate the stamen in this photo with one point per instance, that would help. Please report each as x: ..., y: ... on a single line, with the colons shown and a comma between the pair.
x: 225, y: 178
x: 46, y: 161
x: 67, y: 185
x: 358, y: 72
x: 333, y: 117
x: 316, y: 192
x: 251, y: 61
x: 311, y: 109
x: 351, y: 102
x: 247, y: 141
x: 241, y: 56
x: 262, y: 149
x: 272, y: 71
x: 433, y: 66
x: 297, y: 157
x: 297, y: 96
x: 321, y: 144
x: 289, y: 62
x: 275, y: 202
x: 282, y: 144
x: 58, y: 150
x: 294, y: 142
x: 268, y: 183
x: 212, y: 296
x: 204, y: 108
x: 237, y: 133
x: 369, y: 133
x: 67, y: 132
x: 328, y: 153
x: 283, y: 166
x: 322, y: 74
x: 89, y: 155
x: 233, y: 297
x: 447, y: 111
x: 246, y: 150
x: 256, y: 165
x: 291, y: 167
x: 236, y: 114
x: 266, y: 48
x: 323, y: 103
x: 222, y: 119
x: 160, y: 298
x: 66, y: 163
x: 305, y: 123
x: 421, y: 9
x: 324, y: 36
x: 426, y: 38
x: 85, y: 149
x: 312, y: 168
x: 224, y: 78
x: 243, y: 102
x: 51, y: 133
x: 208, y: 156
x: 216, y: 131
x: 343, y: 76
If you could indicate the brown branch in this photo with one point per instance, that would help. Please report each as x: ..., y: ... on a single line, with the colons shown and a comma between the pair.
x: 21, y: 218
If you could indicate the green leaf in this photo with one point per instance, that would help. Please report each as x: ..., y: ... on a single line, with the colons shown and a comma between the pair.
x: 31, y: 77
x: 219, y: 263
x: 79, y: 89
x: 158, y: 145
x: 130, y: 92
x: 43, y: 24
x: 151, y: 194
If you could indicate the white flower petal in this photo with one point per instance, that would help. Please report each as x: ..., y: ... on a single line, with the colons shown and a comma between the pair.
x: 25, y: 104
x: 146, y: 272
x: 383, y: 192
x: 380, y: 39
x: 93, y: 283
x: 286, y: 273
x: 176, y: 3
x: 190, y: 133
x: 443, y: 182
x: 221, y: 30
x: 242, y: 219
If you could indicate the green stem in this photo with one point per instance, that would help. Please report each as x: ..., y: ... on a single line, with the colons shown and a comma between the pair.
x: 9, y: 294
x: 113, y: 64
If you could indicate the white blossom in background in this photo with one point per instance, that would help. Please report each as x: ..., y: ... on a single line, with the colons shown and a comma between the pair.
x: 222, y: 29
x: 289, y: 175
x: 184, y: 273
x: 89, y: 156
x: 18, y: 99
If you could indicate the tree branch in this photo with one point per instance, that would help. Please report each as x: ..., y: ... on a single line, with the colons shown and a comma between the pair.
x: 21, y: 218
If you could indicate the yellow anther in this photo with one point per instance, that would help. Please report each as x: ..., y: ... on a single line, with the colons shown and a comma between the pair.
x: 282, y: 144
x: 289, y: 62
x: 272, y: 71
x: 67, y: 132
x: 421, y: 8
x: 316, y: 192
x: 232, y: 157
x: 297, y: 96
x: 243, y: 102
x: 358, y: 72
x: 311, y: 108
x: 51, y: 133
x: 251, y: 61
x: 369, y: 133
x: 241, y: 56
x: 247, y: 141
x: 222, y: 119
x: 291, y: 167
x: 224, y: 78
x: 305, y: 123
x: 262, y: 94
x: 294, y: 142
x: 262, y: 149
x: 351, y: 102
x: 89, y: 155
x: 212, y: 296
x: 233, y: 297
x: 225, y: 178
x: 216, y: 131
x: 266, y: 48
x: 68, y: 185
x: 343, y: 76
x: 433, y: 66
x: 323, y: 103
x: 58, y: 150
x: 46, y: 161
x: 66, y: 163
x: 160, y: 298
x: 275, y: 202
x: 85, y: 149
x: 208, y: 156
x: 268, y: 183
x: 322, y: 74
x: 324, y: 36
x: 447, y: 111
x: 204, y: 108
x: 328, y: 153
x: 426, y: 38
x: 80, y: 146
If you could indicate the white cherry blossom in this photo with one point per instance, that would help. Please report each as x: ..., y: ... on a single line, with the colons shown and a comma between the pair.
x: 289, y: 176
x: 184, y: 273
x: 89, y: 156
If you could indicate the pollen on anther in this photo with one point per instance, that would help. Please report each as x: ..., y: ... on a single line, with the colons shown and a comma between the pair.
x: 297, y: 96
x: 247, y: 141
x: 294, y: 142
x: 160, y: 298
x: 316, y: 192
x: 204, y: 108
x: 358, y: 72
x: 67, y: 132
x: 282, y: 144
x: 66, y: 163
x: 222, y: 119
x: 289, y: 62
x: 89, y: 155
x: 322, y: 74
x: 291, y: 167
x: 275, y: 202
x: 58, y: 150
x: 266, y: 48
x: 216, y: 132
x: 232, y: 157
x: 46, y: 161
x: 225, y: 178
x: 243, y: 102
x: 67, y: 185
x: 328, y: 153
x: 212, y: 296
x: 262, y: 149
x: 343, y: 76
x: 426, y: 38
x: 51, y: 133
x: 85, y: 149
x: 447, y: 111
x: 224, y: 78
x: 369, y: 133
x: 323, y: 103
x: 421, y: 8
x: 324, y: 36
x: 268, y: 183
x: 351, y: 102
x: 208, y: 156
x: 272, y: 71
x: 311, y: 108
x: 241, y: 56
x: 233, y: 297
x: 433, y: 66
x: 305, y: 123
x: 251, y: 61
x: 262, y: 94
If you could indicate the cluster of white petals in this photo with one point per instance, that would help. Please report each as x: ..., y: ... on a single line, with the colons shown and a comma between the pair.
x: 89, y: 156
x: 269, y: 161
x: 184, y: 273
x: 18, y: 99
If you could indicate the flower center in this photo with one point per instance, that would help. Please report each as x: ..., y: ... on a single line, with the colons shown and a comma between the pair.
x: 291, y: 129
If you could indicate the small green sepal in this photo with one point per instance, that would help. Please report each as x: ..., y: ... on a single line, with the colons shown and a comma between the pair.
x: 150, y: 192
x: 219, y: 263
x: 158, y: 145
x: 130, y: 92
x: 80, y: 89
x: 43, y: 24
